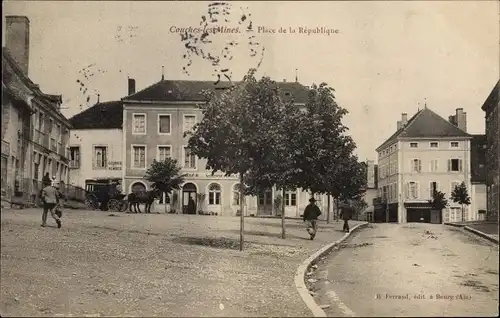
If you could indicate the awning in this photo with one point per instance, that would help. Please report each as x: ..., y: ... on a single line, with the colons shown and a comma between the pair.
x: 418, y: 205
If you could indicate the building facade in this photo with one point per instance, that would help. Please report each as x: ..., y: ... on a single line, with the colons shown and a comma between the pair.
x: 34, y: 131
x: 492, y: 118
x: 95, y: 145
x: 154, y: 121
x: 425, y: 154
x: 478, y: 177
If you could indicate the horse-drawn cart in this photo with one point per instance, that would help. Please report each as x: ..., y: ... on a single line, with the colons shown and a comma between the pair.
x: 104, y: 196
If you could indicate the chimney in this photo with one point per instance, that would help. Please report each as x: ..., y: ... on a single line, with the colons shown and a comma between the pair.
x: 404, y: 119
x: 17, y: 40
x: 461, y: 119
x: 131, y: 86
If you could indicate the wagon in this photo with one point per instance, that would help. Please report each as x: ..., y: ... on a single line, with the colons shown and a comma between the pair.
x: 104, y: 196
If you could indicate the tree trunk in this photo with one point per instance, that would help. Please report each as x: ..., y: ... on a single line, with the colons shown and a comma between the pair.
x: 463, y: 219
x: 242, y: 213
x: 328, y: 210
x: 283, y: 213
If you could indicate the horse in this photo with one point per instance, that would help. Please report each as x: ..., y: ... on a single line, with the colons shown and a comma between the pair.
x: 146, y: 197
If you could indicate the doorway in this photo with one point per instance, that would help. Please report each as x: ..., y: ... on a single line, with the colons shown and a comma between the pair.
x: 188, y: 194
x: 265, y: 203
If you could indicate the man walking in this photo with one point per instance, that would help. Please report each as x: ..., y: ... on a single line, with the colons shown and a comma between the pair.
x: 347, y: 212
x: 50, y: 196
x: 311, y: 214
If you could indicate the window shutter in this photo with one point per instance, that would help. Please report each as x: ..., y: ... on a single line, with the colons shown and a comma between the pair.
x: 449, y: 165
x: 417, y: 190
x: 419, y: 165
x: 459, y: 164
x: 407, y: 186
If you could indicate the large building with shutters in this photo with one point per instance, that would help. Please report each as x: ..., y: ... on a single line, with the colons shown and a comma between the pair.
x: 426, y: 153
x: 34, y: 131
x: 154, y: 121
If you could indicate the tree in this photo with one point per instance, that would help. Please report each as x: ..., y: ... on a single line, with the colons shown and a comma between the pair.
x: 238, y: 130
x: 165, y: 175
x: 460, y: 195
x: 438, y: 201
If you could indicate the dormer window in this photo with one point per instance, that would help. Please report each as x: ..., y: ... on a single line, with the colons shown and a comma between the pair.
x: 413, y: 144
x: 454, y: 144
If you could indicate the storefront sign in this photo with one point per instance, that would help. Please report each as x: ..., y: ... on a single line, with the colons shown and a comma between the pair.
x: 209, y: 176
x: 114, y: 165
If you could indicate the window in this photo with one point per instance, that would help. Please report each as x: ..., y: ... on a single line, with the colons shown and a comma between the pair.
x: 74, y: 157
x: 454, y: 144
x: 265, y: 198
x: 40, y: 122
x: 434, y: 144
x: 455, y: 165
x: 100, y: 157
x: 164, y: 124
x: 139, y: 157
x: 290, y: 198
x: 236, y: 194
x: 164, y: 152
x: 214, y: 192
x: 59, y: 137
x: 36, y: 166
x: 416, y: 165
x: 139, y: 124
x: 189, y: 159
x: 189, y: 122
x: 433, y: 189
x: 412, y: 190
x: 433, y: 166
x: 413, y: 144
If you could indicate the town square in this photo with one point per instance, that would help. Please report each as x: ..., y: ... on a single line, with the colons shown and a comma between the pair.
x: 235, y: 159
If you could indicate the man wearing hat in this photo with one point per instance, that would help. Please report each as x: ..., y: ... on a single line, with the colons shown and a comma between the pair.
x: 311, y: 214
x: 50, y: 198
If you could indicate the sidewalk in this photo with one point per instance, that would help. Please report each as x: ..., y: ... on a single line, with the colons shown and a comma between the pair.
x: 154, y: 265
x: 486, y: 229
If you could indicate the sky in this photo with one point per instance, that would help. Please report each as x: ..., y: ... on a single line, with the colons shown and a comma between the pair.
x: 387, y: 58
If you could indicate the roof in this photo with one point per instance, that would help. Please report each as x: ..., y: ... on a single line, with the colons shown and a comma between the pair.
x: 426, y: 124
x: 105, y: 115
x: 35, y: 88
x: 492, y: 99
x: 173, y: 91
x: 478, y: 158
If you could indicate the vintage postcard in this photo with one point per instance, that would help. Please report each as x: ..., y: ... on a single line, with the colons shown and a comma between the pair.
x: 250, y: 158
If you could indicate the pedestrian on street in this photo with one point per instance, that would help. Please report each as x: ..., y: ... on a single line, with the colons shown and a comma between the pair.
x: 50, y: 200
x: 191, y: 208
x: 311, y: 214
x: 60, y: 203
x: 346, y: 214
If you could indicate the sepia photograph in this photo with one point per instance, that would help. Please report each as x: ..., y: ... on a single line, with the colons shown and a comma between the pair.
x: 250, y: 158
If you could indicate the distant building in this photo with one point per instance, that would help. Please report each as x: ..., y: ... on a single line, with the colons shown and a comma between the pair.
x: 96, y: 144
x: 371, y: 191
x: 492, y: 116
x: 155, y: 119
x: 425, y: 154
x: 478, y: 177
x: 34, y: 131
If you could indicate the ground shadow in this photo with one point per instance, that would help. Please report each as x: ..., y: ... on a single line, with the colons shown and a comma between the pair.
x: 220, y: 242
x: 273, y: 235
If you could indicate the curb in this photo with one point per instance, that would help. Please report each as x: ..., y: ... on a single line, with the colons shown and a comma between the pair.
x: 483, y: 235
x: 301, y: 273
x: 454, y: 224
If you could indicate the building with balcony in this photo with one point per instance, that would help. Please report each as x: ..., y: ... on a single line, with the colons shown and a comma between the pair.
x: 425, y: 154
x: 95, y: 144
x: 492, y: 117
x: 154, y: 120
x: 34, y: 132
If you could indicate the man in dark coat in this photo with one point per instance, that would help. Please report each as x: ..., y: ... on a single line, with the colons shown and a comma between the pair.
x: 311, y: 214
x: 191, y: 207
x: 346, y: 214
